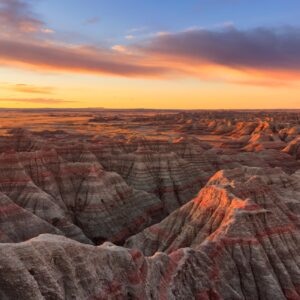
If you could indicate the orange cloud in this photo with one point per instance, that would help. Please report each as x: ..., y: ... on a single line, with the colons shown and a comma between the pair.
x: 73, y: 59
x: 31, y: 89
x: 261, y: 57
x: 37, y: 100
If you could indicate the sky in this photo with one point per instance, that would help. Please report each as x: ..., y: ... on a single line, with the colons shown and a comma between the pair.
x: 192, y: 54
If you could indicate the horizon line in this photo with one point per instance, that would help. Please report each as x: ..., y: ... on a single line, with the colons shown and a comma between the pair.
x: 147, y: 109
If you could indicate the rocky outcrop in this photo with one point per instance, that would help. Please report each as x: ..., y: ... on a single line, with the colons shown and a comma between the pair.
x: 289, y: 133
x: 293, y: 148
x: 247, y: 223
x: 53, y: 267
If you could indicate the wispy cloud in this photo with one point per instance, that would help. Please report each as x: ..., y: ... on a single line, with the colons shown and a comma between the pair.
x: 47, y: 30
x: 263, y: 82
x: 27, y: 88
x: 36, y: 100
x: 138, y: 29
x: 17, y: 17
x: 129, y: 37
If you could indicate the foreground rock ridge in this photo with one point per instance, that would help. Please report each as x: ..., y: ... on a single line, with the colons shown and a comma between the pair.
x: 185, y: 205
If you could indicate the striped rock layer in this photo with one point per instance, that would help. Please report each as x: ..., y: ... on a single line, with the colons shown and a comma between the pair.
x: 238, y: 239
x: 77, y: 199
x: 245, y: 222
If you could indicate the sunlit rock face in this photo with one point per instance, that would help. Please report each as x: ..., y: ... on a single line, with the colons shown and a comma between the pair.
x: 228, y: 195
x: 247, y: 223
x: 177, y: 205
x: 293, y: 148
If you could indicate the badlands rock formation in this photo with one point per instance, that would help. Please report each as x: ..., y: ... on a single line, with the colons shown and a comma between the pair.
x: 77, y: 199
x: 228, y: 243
x: 245, y: 224
x: 229, y: 196
x: 168, y: 170
x: 187, y: 205
x: 293, y: 148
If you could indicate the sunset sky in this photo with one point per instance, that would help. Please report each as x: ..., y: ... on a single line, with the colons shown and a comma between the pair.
x: 198, y: 54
